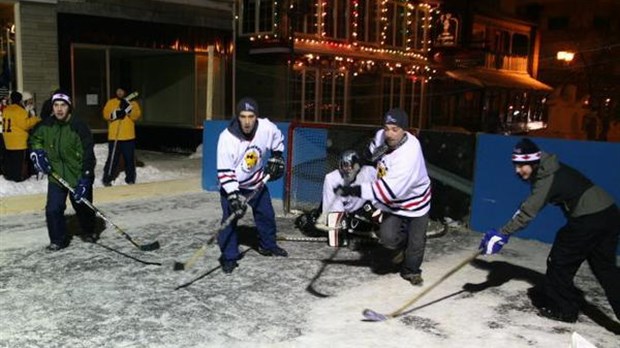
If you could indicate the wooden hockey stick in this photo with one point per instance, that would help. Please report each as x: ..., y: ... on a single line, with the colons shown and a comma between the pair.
x: 181, y: 266
x: 144, y: 247
x: 371, y: 315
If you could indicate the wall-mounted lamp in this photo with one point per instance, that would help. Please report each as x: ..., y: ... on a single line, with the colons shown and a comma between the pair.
x: 565, y: 56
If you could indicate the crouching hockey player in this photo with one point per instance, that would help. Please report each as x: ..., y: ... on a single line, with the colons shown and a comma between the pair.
x: 339, y: 216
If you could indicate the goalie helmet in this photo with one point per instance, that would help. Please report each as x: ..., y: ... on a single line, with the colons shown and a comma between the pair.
x: 349, y: 165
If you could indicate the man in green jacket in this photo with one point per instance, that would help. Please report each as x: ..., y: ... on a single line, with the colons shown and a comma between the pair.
x: 64, y: 145
x: 591, y: 230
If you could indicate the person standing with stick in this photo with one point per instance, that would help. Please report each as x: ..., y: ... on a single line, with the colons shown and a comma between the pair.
x: 121, y: 113
x: 242, y: 163
x: 63, y: 145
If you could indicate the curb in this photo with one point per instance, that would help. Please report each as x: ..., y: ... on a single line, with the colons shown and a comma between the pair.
x: 23, y: 204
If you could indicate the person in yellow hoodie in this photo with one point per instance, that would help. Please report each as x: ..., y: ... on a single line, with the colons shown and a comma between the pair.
x: 16, y: 125
x: 121, y: 115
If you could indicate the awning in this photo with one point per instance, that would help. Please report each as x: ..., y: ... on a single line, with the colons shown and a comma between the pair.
x: 498, y: 78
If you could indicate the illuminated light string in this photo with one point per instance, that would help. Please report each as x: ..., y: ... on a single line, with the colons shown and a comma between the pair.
x: 354, y: 45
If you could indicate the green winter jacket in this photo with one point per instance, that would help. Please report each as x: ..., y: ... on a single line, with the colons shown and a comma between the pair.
x: 558, y: 184
x: 69, y: 146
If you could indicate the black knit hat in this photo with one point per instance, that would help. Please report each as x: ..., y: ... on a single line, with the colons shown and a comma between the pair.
x: 247, y: 104
x: 397, y: 116
x: 526, y: 152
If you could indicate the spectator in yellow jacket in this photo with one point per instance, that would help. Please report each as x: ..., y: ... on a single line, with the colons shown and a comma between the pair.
x: 121, y: 115
x: 16, y: 125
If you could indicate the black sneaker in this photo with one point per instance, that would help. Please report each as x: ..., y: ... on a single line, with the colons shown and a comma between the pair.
x: 557, y: 315
x: 275, y: 251
x: 228, y: 265
x: 413, y: 278
x: 54, y: 247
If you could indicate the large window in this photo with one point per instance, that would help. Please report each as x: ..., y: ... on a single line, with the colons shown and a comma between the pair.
x: 306, y: 17
x: 257, y: 17
x: 319, y: 95
x: 395, y: 25
x: 392, y: 91
x: 336, y: 19
x: 368, y: 23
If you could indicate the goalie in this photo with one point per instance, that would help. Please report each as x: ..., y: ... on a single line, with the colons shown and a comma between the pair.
x: 338, y: 214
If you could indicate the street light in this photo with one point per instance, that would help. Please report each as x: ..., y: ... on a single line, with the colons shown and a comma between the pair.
x: 565, y: 56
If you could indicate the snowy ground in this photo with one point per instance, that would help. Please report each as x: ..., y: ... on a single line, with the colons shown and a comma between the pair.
x: 91, y: 295
x: 157, y: 167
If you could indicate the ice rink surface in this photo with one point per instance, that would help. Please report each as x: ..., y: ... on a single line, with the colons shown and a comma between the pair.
x: 90, y: 295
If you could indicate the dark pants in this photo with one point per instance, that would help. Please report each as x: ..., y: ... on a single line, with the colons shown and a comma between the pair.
x: 16, y: 165
x: 55, y: 214
x: 593, y: 238
x: 125, y: 148
x: 398, y: 232
x: 264, y: 218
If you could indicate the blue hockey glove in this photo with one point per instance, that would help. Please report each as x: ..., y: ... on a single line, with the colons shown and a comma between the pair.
x: 80, y: 191
x: 493, y: 241
x: 275, y: 166
x: 236, y: 202
x: 40, y: 161
x: 344, y: 191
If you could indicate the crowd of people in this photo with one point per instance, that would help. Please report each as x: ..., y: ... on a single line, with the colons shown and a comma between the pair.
x: 386, y: 189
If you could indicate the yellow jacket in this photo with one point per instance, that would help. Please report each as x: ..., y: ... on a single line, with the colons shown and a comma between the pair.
x: 16, y: 125
x: 127, y: 130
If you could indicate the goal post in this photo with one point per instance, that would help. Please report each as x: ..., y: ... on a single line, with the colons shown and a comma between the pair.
x: 313, y: 151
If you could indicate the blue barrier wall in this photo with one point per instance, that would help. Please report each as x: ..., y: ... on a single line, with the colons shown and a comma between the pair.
x: 498, y: 191
x: 210, y: 136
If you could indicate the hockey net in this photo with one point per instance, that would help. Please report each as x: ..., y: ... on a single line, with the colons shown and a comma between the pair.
x: 314, y: 150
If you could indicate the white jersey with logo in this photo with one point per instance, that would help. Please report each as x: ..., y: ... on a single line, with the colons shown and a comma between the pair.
x: 349, y: 204
x: 240, y: 162
x: 402, y: 186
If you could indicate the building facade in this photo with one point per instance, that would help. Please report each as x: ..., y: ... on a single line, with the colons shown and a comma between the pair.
x: 176, y: 54
x: 337, y: 61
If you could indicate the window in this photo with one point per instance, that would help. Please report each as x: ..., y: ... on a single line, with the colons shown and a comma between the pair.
x: 368, y: 21
x: 520, y: 45
x: 419, y: 23
x: 306, y: 18
x: 336, y: 19
x: 319, y: 95
x: 395, y: 26
x: 257, y: 17
x: 392, y: 91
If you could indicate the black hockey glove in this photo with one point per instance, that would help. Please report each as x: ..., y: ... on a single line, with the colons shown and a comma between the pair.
x: 237, y: 205
x: 275, y: 166
x: 118, y: 114
x: 344, y: 191
x: 123, y: 104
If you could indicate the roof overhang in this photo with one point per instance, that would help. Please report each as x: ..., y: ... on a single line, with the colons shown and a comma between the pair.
x: 484, y: 77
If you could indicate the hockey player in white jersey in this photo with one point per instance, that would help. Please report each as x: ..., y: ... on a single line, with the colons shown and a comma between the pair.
x: 242, y: 163
x: 402, y: 191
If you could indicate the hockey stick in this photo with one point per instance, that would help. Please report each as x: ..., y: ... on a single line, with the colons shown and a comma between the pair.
x: 302, y: 239
x: 181, y: 266
x: 129, y: 98
x: 371, y: 315
x: 144, y: 247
